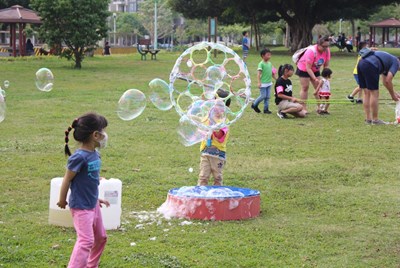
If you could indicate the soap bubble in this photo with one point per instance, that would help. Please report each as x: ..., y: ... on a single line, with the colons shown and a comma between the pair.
x: 397, y: 113
x: 131, y: 104
x: 188, y: 133
x: 159, y: 95
x: 2, y: 108
x: 44, y: 80
x: 3, y: 93
x: 6, y: 84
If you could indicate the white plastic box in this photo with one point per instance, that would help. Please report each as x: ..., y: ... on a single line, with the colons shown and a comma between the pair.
x: 110, y: 190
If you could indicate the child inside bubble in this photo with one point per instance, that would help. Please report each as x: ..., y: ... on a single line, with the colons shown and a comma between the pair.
x: 213, y: 149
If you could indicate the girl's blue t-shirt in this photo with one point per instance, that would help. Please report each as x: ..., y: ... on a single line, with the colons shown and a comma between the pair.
x: 85, y: 185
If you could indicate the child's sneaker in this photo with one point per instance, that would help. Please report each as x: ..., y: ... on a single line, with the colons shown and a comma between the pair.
x: 379, y: 122
x: 267, y: 112
x: 281, y: 115
x: 255, y: 108
x: 350, y: 98
x: 359, y: 101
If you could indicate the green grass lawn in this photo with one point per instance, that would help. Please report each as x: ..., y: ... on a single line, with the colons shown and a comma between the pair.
x: 329, y: 184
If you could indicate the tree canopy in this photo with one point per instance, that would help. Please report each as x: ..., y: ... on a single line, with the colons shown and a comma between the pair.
x: 300, y: 15
x: 9, y: 3
x: 165, y: 16
x: 74, y: 23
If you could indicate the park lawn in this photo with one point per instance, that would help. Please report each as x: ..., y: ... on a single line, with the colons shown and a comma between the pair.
x: 329, y: 184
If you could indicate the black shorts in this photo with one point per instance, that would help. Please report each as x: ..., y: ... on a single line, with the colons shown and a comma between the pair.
x: 305, y: 74
x: 368, y: 75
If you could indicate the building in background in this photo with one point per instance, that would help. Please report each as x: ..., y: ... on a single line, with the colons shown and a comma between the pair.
x: 115, y: 7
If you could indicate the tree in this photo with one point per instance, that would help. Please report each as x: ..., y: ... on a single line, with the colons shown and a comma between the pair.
x: 165, y: 24
x: 74, y: 23
x: 10, y: 3
x: 300, y: 15
x: 129, y: 23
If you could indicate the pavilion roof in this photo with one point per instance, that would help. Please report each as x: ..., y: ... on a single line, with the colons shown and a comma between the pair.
x: 19, y: 14
x: 392, y: 23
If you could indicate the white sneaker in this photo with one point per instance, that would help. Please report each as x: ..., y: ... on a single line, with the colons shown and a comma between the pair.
x: 379, y: 122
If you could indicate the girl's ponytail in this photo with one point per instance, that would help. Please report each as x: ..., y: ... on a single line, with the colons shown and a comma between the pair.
x: 280, y: 71
x: 67, y: 151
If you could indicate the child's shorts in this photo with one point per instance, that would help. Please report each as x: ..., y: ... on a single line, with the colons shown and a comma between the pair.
x: 285, y: 104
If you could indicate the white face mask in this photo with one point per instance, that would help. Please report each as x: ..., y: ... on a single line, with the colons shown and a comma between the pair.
x: 103, y: 142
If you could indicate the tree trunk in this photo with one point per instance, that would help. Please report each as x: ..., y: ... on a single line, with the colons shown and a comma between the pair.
x: 256, y: 33
x: 301, y: 33
x: 78, y: 59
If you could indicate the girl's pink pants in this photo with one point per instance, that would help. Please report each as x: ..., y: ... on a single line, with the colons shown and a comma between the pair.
x: 91, y: 238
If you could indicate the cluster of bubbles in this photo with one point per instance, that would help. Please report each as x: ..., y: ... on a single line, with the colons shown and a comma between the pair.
x: 207, y: 192
x: 44, y: 82
x: 199, y: 87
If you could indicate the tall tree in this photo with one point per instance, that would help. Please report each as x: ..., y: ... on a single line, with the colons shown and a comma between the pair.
x: 74, y: 23
x: 300, y: 15
x: 128, y: 24
x: 165, y: 24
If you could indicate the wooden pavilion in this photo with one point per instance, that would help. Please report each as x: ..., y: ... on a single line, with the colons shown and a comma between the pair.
x: 17, y: 17
x: 385, y: 25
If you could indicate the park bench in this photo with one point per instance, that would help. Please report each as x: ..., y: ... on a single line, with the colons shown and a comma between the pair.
x: 143, y: 47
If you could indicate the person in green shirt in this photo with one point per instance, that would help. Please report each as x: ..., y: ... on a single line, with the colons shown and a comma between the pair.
x: 265, y: 74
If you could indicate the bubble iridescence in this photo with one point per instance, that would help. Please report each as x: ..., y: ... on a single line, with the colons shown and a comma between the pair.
x: 131, y: 104
x: 196, y: 79
x: 44, y: 80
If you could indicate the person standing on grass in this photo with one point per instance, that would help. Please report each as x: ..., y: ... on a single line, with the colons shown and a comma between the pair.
x: 82, y: 177
x: 323, y: 91
x: 287, y: 104
x: 357, y: 90
x: 371, y: 65
x: 265, y: 74
x: 213, y: 150
x: 358, y: 38
x: 309, y: 64
x: 245, y: 45
x: 107, y: 49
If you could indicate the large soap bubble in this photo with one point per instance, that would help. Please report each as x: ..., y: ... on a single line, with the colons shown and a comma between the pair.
x: 159, y: 95
x: 131, y: 104
x: 44, y: 80
x: 189, y: 134
x: 197, y: 78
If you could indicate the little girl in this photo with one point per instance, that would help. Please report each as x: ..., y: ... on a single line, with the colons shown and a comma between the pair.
x: 287, y: 104
x: 323, y: 91
x: 82, y: 177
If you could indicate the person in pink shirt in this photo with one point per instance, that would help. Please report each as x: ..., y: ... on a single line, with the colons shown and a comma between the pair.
x: 309, y: 65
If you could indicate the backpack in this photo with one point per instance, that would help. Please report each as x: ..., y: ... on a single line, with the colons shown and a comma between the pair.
x: 299, y: 53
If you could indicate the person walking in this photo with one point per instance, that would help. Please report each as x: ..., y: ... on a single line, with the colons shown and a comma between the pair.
x: 265, y: 74
x: 82, y: 178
